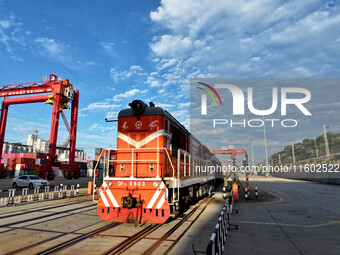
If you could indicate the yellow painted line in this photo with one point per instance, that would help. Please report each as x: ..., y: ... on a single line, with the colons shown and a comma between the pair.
x: 290, y: 225
x: 281, y: 199
x: 275, y: 195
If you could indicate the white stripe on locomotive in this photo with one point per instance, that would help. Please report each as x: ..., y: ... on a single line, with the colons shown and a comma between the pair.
x: 112, y: 198
x: 155, y: 196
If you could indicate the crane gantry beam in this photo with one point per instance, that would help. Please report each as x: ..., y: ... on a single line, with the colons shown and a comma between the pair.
x: 61, y: 92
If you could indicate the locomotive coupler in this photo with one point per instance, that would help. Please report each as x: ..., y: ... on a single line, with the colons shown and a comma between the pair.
x: 129, y: 202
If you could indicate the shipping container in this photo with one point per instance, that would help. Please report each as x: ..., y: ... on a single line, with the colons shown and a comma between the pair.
x: 27, y: 172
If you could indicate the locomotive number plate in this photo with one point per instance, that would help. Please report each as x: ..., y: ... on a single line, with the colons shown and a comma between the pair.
x: 131, y: 183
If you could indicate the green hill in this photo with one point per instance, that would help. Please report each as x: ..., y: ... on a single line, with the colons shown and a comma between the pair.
x: 308, y: 149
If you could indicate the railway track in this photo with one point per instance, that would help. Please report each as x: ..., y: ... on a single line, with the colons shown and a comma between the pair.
x: 143, y: 234
x: 46, y: 216
x: 125, y: 245
x: 76, y: 240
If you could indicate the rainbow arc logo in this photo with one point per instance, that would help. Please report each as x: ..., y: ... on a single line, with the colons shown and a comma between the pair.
x: 209, y: 93
x: 204, y: 96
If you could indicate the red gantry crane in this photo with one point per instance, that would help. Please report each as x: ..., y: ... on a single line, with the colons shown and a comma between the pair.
x: 61, y: 92
x: 233, y: 153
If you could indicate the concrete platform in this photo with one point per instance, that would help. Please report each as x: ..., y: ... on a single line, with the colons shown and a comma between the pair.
x: 303, y: 219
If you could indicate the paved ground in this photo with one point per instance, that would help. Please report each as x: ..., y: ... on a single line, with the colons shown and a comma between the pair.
x: 304, y: 218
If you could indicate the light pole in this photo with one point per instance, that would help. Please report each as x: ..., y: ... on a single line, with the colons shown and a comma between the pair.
x: 252, y: 151
x: 265, y: 145
x: 316, y: 148
x: 326, y: 140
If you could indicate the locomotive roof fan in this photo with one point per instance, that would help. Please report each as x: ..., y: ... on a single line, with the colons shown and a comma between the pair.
x: 138, y: 107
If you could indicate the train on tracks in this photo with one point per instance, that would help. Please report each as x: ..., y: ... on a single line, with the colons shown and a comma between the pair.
x: 155, y: 167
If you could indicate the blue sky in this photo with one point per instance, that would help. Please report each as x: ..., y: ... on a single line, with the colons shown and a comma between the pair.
x: 117, y: 51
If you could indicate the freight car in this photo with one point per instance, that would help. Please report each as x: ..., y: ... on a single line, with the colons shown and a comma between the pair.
x: 155, y: 167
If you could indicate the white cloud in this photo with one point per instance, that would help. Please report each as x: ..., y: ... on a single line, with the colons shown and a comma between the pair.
x: 111, y: 88
x: 6, y: 24
x: 100, y: 106
x: 180, y: 114
x: 164, y: 106
x: 12, y: 36
x: 111, y: 115
x: 61, y: 52
x: 152, y: 82
x: 135, y: 70
x: 98, y: 127
x: 181, y: 105
x: 51, y: 47
x: 127, y: 94
x: 170, y: 45
x: 240, y: 38
x: 108, y: 46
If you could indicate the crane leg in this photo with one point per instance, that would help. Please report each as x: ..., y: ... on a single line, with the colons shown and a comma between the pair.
x: 4, y: 111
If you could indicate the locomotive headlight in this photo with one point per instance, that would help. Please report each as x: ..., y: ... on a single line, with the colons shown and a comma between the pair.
x: 109, y: 183
x: 122, y: 167
x: 155, y: 184
x: 138, y: 107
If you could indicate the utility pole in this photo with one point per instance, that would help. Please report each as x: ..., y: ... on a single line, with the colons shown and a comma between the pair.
x: 316, y: 148
x: 265, y: 145
x: 252, y: 151
x: 326, y: 140
x: 293, y: 153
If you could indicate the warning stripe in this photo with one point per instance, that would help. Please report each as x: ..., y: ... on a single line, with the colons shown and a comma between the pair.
x: 112, y: 198
x: 103, y: 197
x: 161, y: 201
x: 155, y: 195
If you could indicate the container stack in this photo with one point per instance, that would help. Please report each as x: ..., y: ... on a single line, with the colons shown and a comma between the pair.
x: 23, y: 163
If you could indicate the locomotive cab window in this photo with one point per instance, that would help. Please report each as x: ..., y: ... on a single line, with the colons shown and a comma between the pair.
x: 166, y: 125
x: 175, y: 140
x: 179, y: 140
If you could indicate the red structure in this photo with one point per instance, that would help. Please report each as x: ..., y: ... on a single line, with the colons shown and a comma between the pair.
x: 61, y: 92
x: 231, y: 152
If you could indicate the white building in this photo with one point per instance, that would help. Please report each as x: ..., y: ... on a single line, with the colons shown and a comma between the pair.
x: 38, y: 144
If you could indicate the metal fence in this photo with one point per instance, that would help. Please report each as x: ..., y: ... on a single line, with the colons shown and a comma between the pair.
x: 218, y: 238
x: 17, y: 196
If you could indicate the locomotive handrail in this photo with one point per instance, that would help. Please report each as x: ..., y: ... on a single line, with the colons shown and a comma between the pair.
x: 193, y: 160
x: 132, y: 160
x: 185, y: 154
x: 94, y: 178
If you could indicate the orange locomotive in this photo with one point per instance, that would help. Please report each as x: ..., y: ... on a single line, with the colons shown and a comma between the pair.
x: 155, y: 167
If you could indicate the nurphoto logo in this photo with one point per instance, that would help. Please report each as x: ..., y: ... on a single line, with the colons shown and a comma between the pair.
x: 288, y: 96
